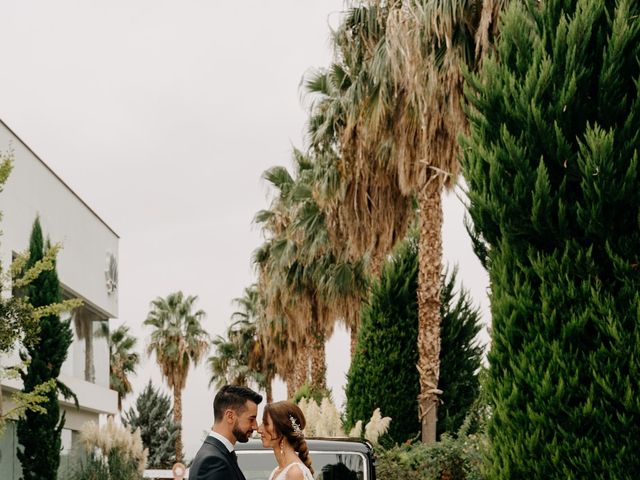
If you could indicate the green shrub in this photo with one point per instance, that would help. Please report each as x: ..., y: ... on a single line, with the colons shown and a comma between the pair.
x: 112, y: 453
x: 310, y: 392
x: 118, y: 466
x: 454, y: 457
x: 153, y: 415
x: 449, y: 459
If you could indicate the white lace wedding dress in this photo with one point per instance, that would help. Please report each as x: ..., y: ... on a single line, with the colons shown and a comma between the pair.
x: 306, y: 473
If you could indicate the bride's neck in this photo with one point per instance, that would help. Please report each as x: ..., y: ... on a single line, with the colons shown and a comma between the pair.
x: 285, y: 458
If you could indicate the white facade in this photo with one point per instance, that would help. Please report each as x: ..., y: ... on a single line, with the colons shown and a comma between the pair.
x: 89, y: 248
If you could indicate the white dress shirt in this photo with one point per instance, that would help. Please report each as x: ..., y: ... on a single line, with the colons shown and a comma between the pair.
x: 225, y: 441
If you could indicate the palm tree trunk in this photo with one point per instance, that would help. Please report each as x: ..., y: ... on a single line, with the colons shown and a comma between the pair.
x: 318, y: 363
x: 318, y: 359
x: 430, y: 263
x: 177, y: 418
x: 354, y: 341
x: 301, y: 367
x: 288, y: 379
x: 89, y: 369
x: 269, y: 390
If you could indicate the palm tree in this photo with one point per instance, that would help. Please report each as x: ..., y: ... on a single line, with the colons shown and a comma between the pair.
x: 239, y: 357
x: 306, y: 281
x: 122, y: 359
x: 281, y: 327
x: 250, y: 311
x: 229, y: 364
x: 393, y: 122
x: 178, y: 341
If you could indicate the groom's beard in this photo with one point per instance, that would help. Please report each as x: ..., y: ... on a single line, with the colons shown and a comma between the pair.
x: 241, y: 436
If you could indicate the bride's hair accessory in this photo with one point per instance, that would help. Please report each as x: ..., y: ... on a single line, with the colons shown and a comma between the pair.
x: 296, y: 426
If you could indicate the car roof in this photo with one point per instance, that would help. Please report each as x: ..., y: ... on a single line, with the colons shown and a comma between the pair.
x: 317, y: 444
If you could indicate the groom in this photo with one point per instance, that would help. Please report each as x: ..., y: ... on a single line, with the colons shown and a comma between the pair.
x: 235, y: 410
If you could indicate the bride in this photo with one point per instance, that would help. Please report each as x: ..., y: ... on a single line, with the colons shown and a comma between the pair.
x: 281, y: 430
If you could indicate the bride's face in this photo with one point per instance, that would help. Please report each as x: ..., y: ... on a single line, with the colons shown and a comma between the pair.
x: 267, y: 432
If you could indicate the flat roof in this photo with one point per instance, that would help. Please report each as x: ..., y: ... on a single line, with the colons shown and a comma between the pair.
x: 59, y: 179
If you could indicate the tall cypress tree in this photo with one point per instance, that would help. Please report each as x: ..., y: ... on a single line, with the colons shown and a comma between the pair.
x: 39, y: 433
x: 552, y: 169
x: 153, y: 415
x: 383, y: 372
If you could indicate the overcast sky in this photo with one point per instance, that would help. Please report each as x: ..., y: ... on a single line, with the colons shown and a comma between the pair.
x: 162, y: 116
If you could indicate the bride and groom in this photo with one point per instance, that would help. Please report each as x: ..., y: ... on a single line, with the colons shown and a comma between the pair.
x: 235, y: 411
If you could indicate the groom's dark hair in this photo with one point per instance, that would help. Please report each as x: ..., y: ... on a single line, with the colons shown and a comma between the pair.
x: 234, y: 397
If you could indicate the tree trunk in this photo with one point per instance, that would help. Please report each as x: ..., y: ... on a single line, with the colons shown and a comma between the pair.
x: 430, y: 263
x: 288, y: 379
x: 269, y: 390
x: 177, y: 418
x: 318, y: 363
x: 318, y: 358
x: 89, y: 369
x: 354, y: 341
x: 301, y: 368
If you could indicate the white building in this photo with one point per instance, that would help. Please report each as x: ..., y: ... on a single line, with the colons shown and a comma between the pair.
x: 87, y: 269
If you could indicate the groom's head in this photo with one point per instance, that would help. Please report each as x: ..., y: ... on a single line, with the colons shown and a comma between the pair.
x: 235, y: 409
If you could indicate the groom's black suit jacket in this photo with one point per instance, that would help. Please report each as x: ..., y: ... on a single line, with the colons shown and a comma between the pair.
x: 214, y: 462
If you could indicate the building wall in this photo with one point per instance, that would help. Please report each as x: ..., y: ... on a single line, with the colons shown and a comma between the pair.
x: 88, y: 244
x: 33, y: 189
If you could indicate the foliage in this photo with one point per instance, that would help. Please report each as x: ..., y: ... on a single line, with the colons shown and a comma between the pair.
x: 112, y: 453
x: 324, y: 420
x: 386, y: 353
x: 460, y: 355
x: 122, y: 360
x: 25, y: 401
x: 39, y: 431
x: 228, y: 364
x: 178, y: 341
x: 449, y: 459
x: 19, y: 321
x: 158, y: 432
x: 457, y: 455
x: 386, y: 125
x: 240, y: 355
x: 551, y: 164
x: 376, y: 427
x: 304, y: 282
x: 310, y: 392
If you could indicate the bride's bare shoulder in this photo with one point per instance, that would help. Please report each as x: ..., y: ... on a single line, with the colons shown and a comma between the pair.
x: 294, y: 474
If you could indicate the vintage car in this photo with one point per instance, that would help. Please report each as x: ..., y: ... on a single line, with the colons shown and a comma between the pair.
x: 333, y: 459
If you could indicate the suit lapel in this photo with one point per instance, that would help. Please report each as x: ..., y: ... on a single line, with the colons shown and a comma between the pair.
x: 228, y: 455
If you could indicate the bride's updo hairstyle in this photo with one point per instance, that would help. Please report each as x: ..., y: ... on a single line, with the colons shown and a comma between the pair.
x: 288, y: 421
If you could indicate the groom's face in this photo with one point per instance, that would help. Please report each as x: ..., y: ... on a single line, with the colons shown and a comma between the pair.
x: 245, y: 422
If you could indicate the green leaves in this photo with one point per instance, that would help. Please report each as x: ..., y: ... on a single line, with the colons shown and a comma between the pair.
x: 177, y: 338
x: 152, y: 414
x: 386, y: 355
x: 39, y: 431
x: 551, y: 163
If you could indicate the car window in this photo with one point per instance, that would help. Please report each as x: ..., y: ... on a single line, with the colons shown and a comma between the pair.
x: 338, y: 466
x: 327, y: 465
